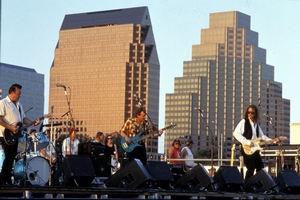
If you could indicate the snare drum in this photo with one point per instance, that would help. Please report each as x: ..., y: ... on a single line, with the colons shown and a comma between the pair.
x: 37, y: 171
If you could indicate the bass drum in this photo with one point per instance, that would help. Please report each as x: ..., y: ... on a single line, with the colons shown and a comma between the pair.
x: 37, y: 171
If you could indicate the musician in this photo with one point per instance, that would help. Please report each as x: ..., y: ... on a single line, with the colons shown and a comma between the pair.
x: 175, y: 152
x: 248, y: 129
x: 31, y: 139
x: 134, y: 126
x: 46, y: 151
x: 111, y: 150
x: 99, y: 137
x: 70, y: 144
x: 11, y: 113
x: 187, y: 153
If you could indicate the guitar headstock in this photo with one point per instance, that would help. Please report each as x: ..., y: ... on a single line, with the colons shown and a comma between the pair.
x: 172, y: 125
x: 281, y: 138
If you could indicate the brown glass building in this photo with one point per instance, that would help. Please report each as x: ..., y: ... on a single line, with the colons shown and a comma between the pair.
x: 227, y: 73
x: 104, y: 58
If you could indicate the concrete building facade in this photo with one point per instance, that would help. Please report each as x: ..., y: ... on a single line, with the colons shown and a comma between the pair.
x: 227, y: 73
x: 104, y: 59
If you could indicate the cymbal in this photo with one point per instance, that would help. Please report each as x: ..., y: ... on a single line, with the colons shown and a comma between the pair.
x: 54, y: 124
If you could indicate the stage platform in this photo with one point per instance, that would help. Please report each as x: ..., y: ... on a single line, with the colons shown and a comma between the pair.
x: 100, y: 192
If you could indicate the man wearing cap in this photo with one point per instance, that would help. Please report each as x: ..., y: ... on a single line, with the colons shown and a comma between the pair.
x: 187, y: 153
x: 175, y: 152
x: 70, y: 144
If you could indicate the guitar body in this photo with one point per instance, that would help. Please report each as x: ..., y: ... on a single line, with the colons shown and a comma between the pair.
x: 134, y: 143
x: 136, y: 139
x: 10, y: 138
x: 250, y: 150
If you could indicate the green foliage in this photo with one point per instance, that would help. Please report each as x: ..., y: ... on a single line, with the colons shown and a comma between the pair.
x: 206, y: 153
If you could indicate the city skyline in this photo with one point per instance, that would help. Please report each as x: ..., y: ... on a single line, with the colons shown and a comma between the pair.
x: 29, y: 38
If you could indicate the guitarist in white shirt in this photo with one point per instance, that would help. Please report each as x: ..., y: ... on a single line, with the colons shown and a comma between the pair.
x: 11, y: 113
x: 134, y: 126
x: 245, y: 132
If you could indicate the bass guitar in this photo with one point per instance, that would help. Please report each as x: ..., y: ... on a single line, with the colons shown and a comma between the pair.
x: 250, y: 150
x: 10, y: 137
x: 139, y: 137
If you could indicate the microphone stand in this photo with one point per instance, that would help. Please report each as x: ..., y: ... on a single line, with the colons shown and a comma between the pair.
x: 279, y: 159
x: 69, y: 107
x: 212, y: 143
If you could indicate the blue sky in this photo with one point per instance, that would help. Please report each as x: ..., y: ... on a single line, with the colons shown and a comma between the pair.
x: 30, y: 31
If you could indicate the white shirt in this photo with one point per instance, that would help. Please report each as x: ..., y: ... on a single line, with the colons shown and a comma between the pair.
x: 189, y: 155
x: 72, y: 147
x: 240, y: 129
x: 10, y: 113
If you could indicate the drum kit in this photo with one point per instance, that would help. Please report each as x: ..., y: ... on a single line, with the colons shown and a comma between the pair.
x: 29, y: 165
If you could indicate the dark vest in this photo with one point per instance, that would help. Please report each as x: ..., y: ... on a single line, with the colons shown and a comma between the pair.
x: 248, y: 130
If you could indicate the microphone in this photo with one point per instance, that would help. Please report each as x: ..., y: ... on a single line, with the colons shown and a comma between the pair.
x: 202, y: 111
x: 267, y: 116
x: 33, y: 175
x: 137, y: 97
x: 61, y: 85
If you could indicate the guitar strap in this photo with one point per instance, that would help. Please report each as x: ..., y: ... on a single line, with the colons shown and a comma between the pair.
x: 20, y: 113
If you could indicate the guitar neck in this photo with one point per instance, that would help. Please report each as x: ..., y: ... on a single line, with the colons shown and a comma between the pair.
x: 150, y: 134
x: 30, y: 124
x: 270, y: 141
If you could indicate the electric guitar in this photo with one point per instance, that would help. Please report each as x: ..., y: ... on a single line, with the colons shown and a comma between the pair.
x: 136, y: 139
x: 10, y: 137
x: 250, y: 150
x: 232, y: 154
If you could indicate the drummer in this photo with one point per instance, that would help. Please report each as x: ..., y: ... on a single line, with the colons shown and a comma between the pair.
x: 46, y: 151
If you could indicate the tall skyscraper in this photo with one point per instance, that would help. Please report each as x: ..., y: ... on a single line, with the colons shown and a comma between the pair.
x: 228, y: 72
x: 32, y: 87
x: 105, y: 58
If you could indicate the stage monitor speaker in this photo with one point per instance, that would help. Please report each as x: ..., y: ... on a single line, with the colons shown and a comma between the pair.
x: 261, y: 182
x: 196, y: 179
x: 229, y: 179
x: 102, y: 165
x: 288, y: 181
x: 132, y: 175
x: 76, y: 170
x: 161, y: 174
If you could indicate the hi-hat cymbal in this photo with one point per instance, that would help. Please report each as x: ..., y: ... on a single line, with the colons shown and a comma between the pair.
x: 54, y: 124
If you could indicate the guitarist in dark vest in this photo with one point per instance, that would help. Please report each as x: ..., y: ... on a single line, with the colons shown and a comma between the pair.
x: 12, y: 117
x: 134, y: 126
x: 248, y: 129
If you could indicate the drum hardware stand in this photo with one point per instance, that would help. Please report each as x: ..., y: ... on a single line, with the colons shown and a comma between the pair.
x: 24, y: 158
x: 51, y: 147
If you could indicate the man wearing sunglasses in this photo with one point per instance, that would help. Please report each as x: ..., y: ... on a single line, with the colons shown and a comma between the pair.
x: 246, y: 132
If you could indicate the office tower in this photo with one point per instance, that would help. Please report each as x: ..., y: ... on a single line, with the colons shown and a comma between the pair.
x: 227, y: 73
x: 105, y: 58
x: 32, y: 87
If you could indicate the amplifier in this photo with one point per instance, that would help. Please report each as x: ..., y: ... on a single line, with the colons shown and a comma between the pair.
x: 91, y: 148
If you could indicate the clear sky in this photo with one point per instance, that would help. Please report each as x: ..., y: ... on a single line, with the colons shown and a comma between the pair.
x: 30, y: 31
